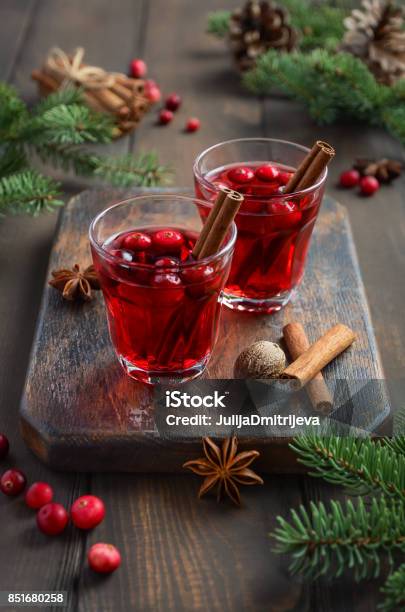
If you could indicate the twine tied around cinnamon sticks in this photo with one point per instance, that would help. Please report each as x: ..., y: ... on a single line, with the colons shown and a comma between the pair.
x: 72, y: 70
x: 106, y: 92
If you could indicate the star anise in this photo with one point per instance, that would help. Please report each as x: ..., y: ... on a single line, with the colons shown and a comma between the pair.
x: 224, y: 468
x: 74, y: 284
x: 384, y: 170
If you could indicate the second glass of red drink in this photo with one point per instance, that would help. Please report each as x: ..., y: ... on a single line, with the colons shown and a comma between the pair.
x: 274, y: 228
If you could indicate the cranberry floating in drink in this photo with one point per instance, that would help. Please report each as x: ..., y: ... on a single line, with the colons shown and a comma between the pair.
x: 161, y: 295
x: 283, y: 185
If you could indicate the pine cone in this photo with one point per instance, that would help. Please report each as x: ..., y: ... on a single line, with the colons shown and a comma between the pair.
x: 376, y: 35
x: 256, y: 28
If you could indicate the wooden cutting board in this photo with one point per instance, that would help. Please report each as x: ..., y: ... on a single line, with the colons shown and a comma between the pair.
x: 80, y: 412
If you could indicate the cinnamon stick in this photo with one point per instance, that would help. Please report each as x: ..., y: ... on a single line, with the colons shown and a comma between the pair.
x: 297, y: 343
x: 221, y: 223
x: 45, y: 80
x: 311, y: 168
x: 322, y: 352
x: 208, y: 223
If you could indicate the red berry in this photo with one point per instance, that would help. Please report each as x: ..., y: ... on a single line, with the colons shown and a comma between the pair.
x: 104, y: 558
x: 165, y: 116
x: 4, y: 446
x: 87, y: 512
x: 166, y: 262
x: 197, y: 274
x: 39, y: 494
x: 138, y: 68
x: 369, y: 185
x: 350, y: 178
x: 267, y: 173
x: 137, y: 241
x: 13, y: 482
x: 173, y: 102
x: 152, y: 91
x: 125, y: 255
x: 241, y: 174
x: 284, y: 177
x: 168, y: 240
x: 286, y: 215
x: 52, y: 519
x: 169, y: 281
x: 193, y: 124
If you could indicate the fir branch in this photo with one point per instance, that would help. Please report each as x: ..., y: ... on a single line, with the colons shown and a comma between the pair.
x: 347, y: 537
x: 29, y: 192
x: 67, y: 125
x: 331, y: 85
x: 121, y: 171
x: 218, y: 23
x: 64, y: 96
x: 361, y: 465
x: 394, y: 591
x: 12, y: 159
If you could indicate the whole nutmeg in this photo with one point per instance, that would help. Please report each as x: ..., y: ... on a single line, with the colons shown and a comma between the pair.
x: 261, y: 359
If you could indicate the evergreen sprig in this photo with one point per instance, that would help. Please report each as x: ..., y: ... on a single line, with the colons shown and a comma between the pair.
x: 332, y: 86
x: 345, y: 537
x: 55, y: 130
x: 394, y: 591
x: 361, y: 465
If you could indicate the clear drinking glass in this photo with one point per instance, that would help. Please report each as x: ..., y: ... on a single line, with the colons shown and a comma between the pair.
x: 162, y: 305
x: 274, y: 230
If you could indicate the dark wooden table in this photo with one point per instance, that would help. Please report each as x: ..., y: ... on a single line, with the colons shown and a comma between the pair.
x: 178, y: 553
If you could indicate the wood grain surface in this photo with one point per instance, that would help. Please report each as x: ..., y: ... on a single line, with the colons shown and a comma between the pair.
x: 81, y: 412
x: 178, y: 553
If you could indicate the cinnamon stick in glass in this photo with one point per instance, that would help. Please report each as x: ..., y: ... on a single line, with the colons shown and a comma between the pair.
x: 311, y: 168
x: 223, y: 215
x: 297, y: 343
x: 323, y: 351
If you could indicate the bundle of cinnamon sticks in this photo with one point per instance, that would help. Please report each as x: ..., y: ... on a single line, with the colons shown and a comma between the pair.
x: 121, y: 96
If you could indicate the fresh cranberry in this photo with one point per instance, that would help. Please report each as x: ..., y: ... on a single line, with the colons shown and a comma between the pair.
x: 197, y: 274
x: 138, y: 68
x: 52, y: 519
x: 350, y: 178
x: 165, y: 116
x: 166, y: 262
x: 4, y: 446
x: 39, y: 494
x: 286, y: 215
x: 241, y: 174
x: 137, y: 241
x: 267, y: 173
x: 168, y: 240
x: 104, y: 558
x: 152, y: 91
x: 87, y: 512
x: 173, y: 102
x: 13, y: 482
x: 369, y: 185
x: 169, y: 281
x: 284, y: 177
x: 122, y: 254
x: 193, y: 124
x: 267, y: 189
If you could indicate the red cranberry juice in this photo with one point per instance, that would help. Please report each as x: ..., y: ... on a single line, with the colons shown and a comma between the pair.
x: 273, y: 231
x: 162, y: 314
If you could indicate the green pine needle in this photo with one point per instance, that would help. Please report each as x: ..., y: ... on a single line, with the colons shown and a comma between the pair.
x: 394, y: 591
x: 54, y: 130
x: 218, y: 23
x: 28, y: 192
x: 352, y: 537
x: 361, y: 465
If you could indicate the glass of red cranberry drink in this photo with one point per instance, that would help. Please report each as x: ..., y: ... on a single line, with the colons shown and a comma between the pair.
x: 162, y: 305
x: 274, y: 229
